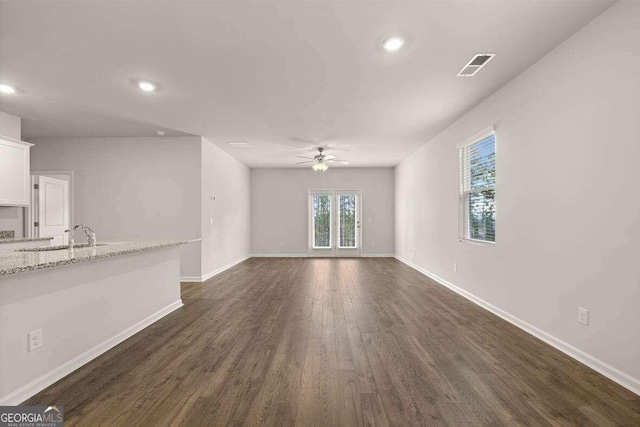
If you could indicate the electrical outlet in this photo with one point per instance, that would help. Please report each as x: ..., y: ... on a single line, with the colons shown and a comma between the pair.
x: 455, y: 267
x: 583, y: 316
x: 35, y: 339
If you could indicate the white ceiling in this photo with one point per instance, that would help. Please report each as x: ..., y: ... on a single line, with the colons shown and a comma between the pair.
x: 285, y: 76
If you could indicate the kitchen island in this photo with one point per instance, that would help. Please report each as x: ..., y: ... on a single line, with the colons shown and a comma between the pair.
x: 82, y: 302
x: 9, y: 244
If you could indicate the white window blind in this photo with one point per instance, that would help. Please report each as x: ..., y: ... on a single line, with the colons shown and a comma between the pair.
x: 477, y: 204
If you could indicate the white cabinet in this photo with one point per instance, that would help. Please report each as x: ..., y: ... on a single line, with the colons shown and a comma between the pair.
x: 14, y: 172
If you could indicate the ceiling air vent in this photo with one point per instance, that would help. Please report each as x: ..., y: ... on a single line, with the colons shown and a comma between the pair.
x: 476, y: 63
x: 240, y: 144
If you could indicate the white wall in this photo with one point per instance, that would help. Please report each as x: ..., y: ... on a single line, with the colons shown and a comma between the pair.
x: 11, y: 217
x: 279, y: 207
x: 10, y: 125
x: 568, y: 211
x: 129, y: 188
x: 227, y: 240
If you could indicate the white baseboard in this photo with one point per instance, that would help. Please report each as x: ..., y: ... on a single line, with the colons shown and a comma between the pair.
x: 307, y: 256
x: 39, y: 384
x: 215, y: 272
x: 614, y: 374
x: 279, y: 255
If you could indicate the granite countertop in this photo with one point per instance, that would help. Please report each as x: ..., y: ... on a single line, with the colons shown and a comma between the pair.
x: 7, y: 234
x: 23, y: 239
x: 21, y: 261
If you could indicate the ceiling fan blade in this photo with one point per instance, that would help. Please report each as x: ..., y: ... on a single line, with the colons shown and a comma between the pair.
x: 309, y: 161
x: 329, y: 156
x: 344, y: 162
x: 303, y: 157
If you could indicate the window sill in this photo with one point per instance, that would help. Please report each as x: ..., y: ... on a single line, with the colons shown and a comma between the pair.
x: 477, y: 242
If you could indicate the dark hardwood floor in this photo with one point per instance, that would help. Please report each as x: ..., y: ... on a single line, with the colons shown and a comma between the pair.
x: 335, y: 342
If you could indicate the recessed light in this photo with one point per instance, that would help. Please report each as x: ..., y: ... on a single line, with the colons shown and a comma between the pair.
x: 147, y: 86
x: 160, y: 133
x: 7, y: 89
x: 393, y: 43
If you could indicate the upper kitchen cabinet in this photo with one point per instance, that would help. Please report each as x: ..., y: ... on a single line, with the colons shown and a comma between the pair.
x: 14, y: 172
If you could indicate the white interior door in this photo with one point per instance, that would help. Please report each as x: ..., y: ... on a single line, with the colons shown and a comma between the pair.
x: 53, y: 209
x: 334, y: 223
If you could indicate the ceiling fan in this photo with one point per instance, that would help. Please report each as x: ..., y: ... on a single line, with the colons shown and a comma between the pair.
x: 320, y: 161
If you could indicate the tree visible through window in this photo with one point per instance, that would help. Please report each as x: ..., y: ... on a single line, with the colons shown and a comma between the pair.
x: 347, y: 221
x: 321, y: 220
x: 477, y: 189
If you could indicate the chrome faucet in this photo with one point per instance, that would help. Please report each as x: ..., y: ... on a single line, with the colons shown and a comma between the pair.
x: 91, y: 236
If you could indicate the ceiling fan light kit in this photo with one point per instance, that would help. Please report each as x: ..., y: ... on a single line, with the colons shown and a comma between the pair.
x: 320, y: 160
x: 320, y: 166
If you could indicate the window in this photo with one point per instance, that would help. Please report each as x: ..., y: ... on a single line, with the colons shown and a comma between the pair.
x: 321, y: 220
x: 347, y: 215
x: 478, y: 188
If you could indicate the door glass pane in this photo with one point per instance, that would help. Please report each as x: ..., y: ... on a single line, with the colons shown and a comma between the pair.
x: 347, y: 220
x: 321, y: 220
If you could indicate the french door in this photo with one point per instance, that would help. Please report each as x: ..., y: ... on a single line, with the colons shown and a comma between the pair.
x: 334, y: 223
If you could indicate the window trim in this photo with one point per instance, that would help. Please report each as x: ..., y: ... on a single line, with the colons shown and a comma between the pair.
x: 483, y: 134
x: 463, y: 215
